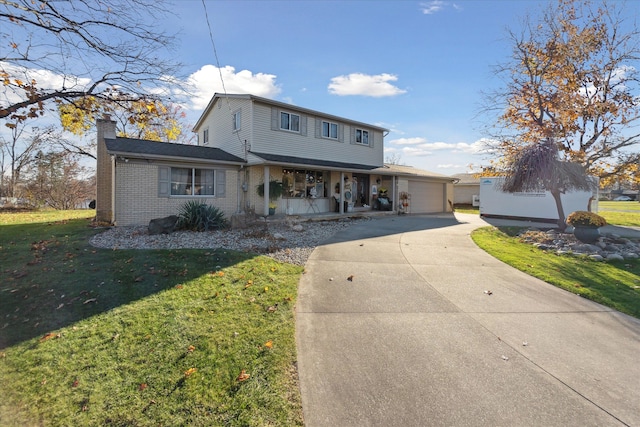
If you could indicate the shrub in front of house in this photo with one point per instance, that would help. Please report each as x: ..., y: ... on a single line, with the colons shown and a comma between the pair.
x: 198, y: 216
x: 585, y: 219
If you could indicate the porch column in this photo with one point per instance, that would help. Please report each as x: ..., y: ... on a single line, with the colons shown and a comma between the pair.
x: 266, y: 190
x: 341, y: 193
x: 393, y: 193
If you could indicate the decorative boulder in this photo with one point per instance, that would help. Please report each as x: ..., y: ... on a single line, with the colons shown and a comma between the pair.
x: 164, y: 225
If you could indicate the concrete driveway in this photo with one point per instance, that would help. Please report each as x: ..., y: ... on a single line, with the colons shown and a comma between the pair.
x: 413, y: 339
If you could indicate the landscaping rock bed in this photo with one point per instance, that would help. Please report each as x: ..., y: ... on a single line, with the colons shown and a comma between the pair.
x: 608, y: 247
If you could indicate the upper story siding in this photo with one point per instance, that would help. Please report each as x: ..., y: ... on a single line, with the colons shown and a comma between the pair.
x: 260, y: 128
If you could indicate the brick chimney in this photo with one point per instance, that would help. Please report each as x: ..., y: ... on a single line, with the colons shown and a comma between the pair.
x: 105, y: 171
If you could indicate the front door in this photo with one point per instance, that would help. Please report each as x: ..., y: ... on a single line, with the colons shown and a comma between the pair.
x: 362, y: 190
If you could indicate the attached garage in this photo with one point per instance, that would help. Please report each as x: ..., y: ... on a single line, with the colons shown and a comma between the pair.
x: 427, y: 197
x: 429, y: 192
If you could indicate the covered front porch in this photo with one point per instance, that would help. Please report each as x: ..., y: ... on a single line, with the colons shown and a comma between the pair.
x: 323, y: 192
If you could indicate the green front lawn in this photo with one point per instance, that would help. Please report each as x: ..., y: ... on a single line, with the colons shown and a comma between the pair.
x: 620, y: 213
x: 614, y: 284
x: 97, y: 337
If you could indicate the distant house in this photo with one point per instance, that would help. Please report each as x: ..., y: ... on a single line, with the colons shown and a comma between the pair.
x: 245, y: 140
x: 467, y: 186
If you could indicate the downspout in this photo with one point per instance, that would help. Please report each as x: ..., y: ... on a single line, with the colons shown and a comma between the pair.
x: 113, y: 190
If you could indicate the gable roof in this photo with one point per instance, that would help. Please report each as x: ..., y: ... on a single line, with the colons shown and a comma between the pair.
x: 279, y: 104
x: 304, y: 161
x: 165, y: 150
x: 402, y: 170
x: 467, y: 178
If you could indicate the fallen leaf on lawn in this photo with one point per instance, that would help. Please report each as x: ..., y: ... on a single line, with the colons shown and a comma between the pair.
x: 138, y: 279
x: 220, y: 273
x: 90, y: 300
x: 577, y: 285
x: 49, y: 336
x: 60, y: 306
x: 272, y: 308
x: 179, y: 286
x: 142, y: 386
x: 243, y: 376
x: 266, y: 288
x: 191, y: 348
x: 269, y: 344
x: 75, y: 383
x: 189, y: 371
x: 350, y: 278
x: 44, y: 381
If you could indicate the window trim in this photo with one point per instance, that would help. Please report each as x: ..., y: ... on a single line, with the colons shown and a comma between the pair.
x: 191, y: 181
x: 205, y: 136
x: 289, y: 114
x: 331, y: 125
x: 236, y: 121
x: 362, y: 132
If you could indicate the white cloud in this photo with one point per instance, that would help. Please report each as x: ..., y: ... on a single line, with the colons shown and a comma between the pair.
x: 432, y: 7
x: 366, y: 85
x: 206, y: 81
x: 449, y: 166
x: 418, y: 146
x: 44, y: 80
x: 436, y: 6
x: 408, y: 141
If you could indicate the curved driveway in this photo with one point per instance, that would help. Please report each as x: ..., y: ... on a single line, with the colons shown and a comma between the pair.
x: 413, y: 339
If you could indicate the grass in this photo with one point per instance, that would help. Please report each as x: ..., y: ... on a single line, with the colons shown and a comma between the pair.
x: 620, y: 213
x: 98, y: 337
x: 613, y: 284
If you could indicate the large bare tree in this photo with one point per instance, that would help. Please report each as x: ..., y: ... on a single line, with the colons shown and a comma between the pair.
x: 69, y: 51
x: 573, y: 78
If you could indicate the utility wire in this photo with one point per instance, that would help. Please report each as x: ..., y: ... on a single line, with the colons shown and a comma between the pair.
x: 215, y: 53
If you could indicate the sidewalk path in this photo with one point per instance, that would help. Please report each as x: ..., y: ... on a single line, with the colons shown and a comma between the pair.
x: 414, y: 340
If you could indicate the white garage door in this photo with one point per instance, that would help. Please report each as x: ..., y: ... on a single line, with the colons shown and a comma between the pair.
x: 426, y: 197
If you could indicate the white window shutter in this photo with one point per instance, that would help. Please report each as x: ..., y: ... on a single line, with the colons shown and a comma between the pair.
x: 341, y: 132
x: 275, y: 123
x: 318, y: 130
x: 221, y: 183
x: 164, y: 181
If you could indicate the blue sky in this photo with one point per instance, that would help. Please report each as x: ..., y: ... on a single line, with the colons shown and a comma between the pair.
x: 416, y: 68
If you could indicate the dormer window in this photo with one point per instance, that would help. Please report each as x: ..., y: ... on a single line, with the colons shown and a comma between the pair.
x: 289, y: 121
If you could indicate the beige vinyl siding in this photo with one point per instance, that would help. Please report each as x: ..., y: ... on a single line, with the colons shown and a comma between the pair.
x: 137, y: 200
x: 220, y: 124
x: 287, y: 143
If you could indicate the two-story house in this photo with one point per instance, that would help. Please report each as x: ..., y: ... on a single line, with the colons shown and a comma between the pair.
x: 325, y: 163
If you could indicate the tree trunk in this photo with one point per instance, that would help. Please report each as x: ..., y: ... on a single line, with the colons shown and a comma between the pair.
x: 562, y: 225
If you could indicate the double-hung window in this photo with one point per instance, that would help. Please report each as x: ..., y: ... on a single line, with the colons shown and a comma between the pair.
x: 192, y: 182
x: 362, y: 137
x: 329, y: 130
x: 289, y: 121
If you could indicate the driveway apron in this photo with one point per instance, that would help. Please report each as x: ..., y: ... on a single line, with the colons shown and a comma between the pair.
x: 403, y: 321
